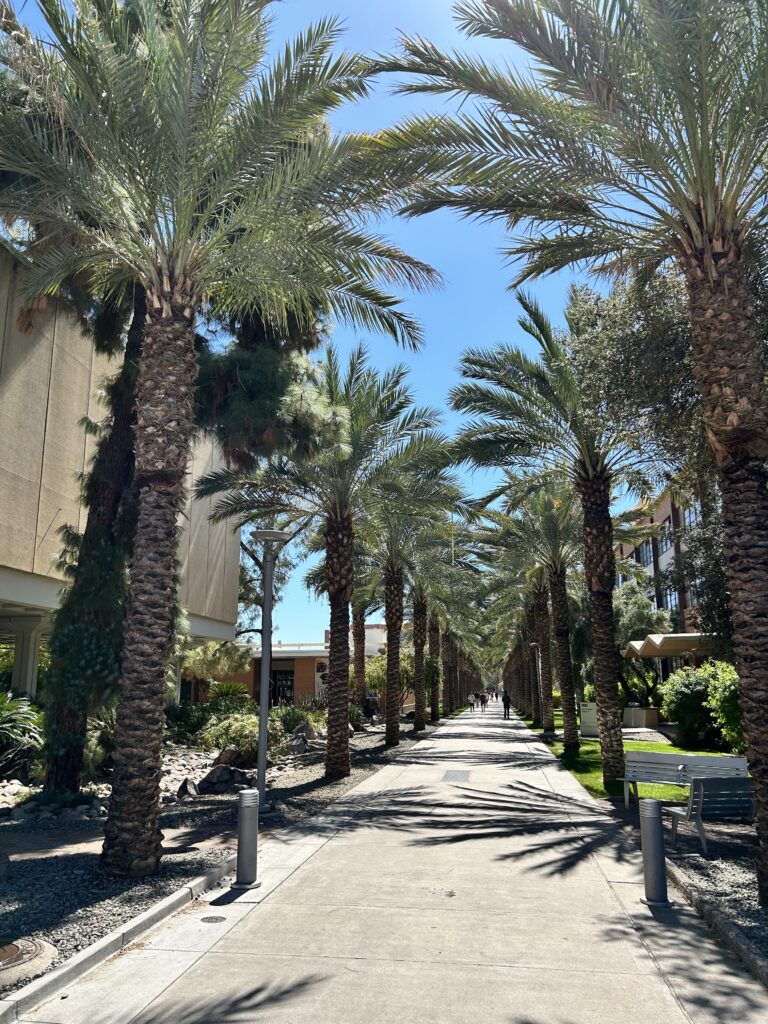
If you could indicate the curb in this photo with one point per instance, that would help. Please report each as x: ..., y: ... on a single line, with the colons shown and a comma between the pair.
x: 729, y: 934
x: 17, y: 1003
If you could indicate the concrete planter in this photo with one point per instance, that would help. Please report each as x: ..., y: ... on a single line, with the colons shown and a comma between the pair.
x: 641, y: 718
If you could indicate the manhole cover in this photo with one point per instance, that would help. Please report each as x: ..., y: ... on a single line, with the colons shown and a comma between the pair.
x: 456, y: 776
x: 23, y: 958
x: 14, y: 954
x: 212, y: 920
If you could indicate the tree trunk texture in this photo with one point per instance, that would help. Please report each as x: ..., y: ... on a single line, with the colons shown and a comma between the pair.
x: 165, y: 402
x: 419, y: 642
x: 340, y: 581
x: 393, y: 617
x: 729, y: 366
x: 86, y: 640
x: 530, y: 659
x: 358, y: 639
x: 433, y: 638
x: 600, y: 572
x: 559, y: 596
x: 541, y: 608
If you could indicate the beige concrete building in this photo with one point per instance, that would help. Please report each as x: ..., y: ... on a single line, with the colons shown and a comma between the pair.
x: 657, y: 554
x: 49, y: 381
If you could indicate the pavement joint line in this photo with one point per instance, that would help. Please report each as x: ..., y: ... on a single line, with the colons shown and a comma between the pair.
x: 516, y: 965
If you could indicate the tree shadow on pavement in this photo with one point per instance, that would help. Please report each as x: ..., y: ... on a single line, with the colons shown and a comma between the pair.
x: 254, y: 1004
x: 567, y: 829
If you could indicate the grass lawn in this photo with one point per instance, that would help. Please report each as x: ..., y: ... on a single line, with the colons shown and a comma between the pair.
x: 587, y: 768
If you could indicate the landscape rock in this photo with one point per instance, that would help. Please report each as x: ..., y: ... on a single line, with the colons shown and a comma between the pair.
x: 187, y: 789
x: 228, y: 755
x: 305, y: 729
x: 298, y: 744
x: 223, y: 779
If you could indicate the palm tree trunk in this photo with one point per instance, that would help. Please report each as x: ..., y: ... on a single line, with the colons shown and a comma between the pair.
x: 433, y: 635
x: 165, y: 403
x: 729, y: 366
x: 446, y: 649
x: 340, y: 581
x: 393, y: 617
x: 541, y: 609
x: 87, y: 635
x: 559, y: 596
x: 600, y: 572
x: 533, y: 673
x: 358, y: 640
x: 419, y: 642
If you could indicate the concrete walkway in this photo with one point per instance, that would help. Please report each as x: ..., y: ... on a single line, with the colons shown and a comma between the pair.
x: 473, y: 880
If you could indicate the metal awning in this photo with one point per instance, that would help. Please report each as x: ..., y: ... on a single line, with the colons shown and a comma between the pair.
x: 667, y: 645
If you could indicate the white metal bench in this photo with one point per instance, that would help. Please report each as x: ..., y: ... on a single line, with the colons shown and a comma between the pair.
x: 714, y: 799
x: 677, y: 769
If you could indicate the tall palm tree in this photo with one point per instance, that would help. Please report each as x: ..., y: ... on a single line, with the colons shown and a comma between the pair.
x: 636, y: 138
x: 397, y: 541
x: 182, y: 163
x: 380, y: 434
x: 432, y: 669
x: 530, y: 411
x: 548, y: 526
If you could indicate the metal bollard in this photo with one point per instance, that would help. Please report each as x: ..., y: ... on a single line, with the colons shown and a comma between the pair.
x: 247, y: 840
x: 654, y: 863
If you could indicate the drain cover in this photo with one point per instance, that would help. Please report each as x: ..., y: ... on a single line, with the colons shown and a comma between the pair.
x: 456, y: 776
x: 212, y: 920
x: 23, y: 958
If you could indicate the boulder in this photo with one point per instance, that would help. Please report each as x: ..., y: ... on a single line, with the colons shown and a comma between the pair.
x: 298, y: 743
x: 305, y: 729
x: 187, y: 789
x: 228, y: 755
x: 223, y: 779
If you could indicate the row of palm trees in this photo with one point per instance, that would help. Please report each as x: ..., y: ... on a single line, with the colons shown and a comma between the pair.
x: 634, y: 137
x: 147, y: 150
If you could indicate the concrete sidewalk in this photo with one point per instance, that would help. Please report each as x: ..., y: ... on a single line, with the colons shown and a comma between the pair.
x: 472, y: 880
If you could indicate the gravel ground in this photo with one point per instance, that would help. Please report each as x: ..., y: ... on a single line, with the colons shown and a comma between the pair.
x: 69, y: 902
x: 726, y: 875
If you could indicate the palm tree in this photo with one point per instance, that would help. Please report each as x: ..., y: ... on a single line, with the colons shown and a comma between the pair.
x: 379, y: 435
x: 397, y: 544
x: 636, y: 139
x: 547, y: 526
x: 432, y: 669
x: 531, y: 412
x: 181, y: 163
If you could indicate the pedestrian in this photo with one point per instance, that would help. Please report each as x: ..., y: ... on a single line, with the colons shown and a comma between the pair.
x: 471, y: 702
x: 483, y: 700
x: 505, y: 700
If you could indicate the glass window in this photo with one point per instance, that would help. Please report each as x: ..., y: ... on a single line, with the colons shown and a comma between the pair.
x: 665, y: 537
x: 671, y: 600
x: 691, y: 517
x: 645, y: 553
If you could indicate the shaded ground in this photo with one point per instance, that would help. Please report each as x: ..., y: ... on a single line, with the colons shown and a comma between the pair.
x: 56, y: 890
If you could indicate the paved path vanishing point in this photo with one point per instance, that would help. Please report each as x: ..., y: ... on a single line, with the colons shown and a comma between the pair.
x: 473, y: 880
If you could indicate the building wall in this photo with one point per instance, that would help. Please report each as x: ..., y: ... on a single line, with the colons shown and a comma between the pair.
x: 304, y: 679
x: 49, y: 379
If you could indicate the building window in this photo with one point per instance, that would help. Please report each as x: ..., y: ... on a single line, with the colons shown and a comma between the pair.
x: 645, y: 553
x: 619, y: 580
x: 665, y: 537
x: 671, y: 600
x: 691, y: 517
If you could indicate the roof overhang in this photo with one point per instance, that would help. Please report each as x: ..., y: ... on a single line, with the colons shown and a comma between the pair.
x: 667, y: 645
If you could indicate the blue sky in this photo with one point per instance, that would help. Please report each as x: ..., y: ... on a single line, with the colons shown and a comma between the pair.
x: 474, y: 307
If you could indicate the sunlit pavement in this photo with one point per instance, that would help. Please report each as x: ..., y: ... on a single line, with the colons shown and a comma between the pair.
x: 472, y: 880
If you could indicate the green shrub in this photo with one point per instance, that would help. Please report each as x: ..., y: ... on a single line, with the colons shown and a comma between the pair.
x: 557, y: 699
x: 229, y: 691
x: 21, y: 730
x: 684, y: 701
x: 723, y: 703
x: 185, y: 719
x: 290, y: 716
x: 590, y: 694
x: 356, y: 717
x: 242, y: 731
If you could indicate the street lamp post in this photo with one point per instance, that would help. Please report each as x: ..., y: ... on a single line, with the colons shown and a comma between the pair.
x: 269, y: 538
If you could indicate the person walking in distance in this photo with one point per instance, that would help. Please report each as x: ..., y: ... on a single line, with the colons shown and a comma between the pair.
x: 506, y: 701
x: 471, y: 701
